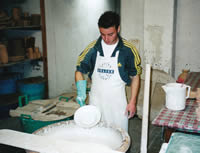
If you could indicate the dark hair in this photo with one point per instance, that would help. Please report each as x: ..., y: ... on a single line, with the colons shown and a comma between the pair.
x: 109, y: 19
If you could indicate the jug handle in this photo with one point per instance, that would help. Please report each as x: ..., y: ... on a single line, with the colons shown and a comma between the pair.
x: 188, y: 91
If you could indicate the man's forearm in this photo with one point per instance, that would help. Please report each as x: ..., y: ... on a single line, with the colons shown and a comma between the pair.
x: 78, y: 76
x: 134, y: 88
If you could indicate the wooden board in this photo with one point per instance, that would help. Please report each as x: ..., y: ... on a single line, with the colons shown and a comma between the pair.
x: 47, y: 110
x: 47, y: 144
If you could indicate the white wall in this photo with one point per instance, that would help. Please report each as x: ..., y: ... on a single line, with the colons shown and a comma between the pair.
x: 187, y: 36
x: 152, y: 23
x: 132, y: 22
x: 160, y: 45
x: 158, y: 33
x: 71, y: 25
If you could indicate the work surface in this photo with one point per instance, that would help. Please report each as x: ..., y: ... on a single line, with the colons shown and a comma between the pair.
x: 185, y: 120
x: 183, y: 143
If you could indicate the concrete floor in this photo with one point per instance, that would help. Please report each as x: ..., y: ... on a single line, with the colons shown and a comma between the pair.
x: 154, y: 137
x: 135, y: 124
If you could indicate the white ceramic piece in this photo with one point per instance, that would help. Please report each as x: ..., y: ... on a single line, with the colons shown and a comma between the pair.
x: 87, y: 116
x: 176, y: 95
x: 48, y: 144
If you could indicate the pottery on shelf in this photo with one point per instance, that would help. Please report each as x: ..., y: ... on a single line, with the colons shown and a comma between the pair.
x: 30, y: 53
x: 3, y: 54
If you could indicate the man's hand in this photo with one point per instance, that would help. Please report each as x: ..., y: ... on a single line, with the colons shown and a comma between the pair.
x: 81, y: 92
x: 130, y: 109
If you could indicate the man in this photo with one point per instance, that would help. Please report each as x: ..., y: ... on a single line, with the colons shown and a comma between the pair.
x: 112, y: 62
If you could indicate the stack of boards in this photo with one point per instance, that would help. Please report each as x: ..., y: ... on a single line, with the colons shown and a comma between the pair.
x: 47, y: 110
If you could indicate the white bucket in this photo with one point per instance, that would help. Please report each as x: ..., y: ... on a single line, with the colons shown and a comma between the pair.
x: 176, y: 95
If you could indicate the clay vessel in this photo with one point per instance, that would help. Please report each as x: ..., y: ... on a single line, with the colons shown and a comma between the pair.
x: 37, y: 52
x: 30, y: 53
x: 3, y: 54
x: 16, y: 13
x: 183, y: 76
x: 34, y: 55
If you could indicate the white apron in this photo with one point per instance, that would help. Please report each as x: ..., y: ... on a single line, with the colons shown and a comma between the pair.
x: 108, y: 91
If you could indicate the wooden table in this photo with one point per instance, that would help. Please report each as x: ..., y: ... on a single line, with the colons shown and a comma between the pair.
x: 185, y: 120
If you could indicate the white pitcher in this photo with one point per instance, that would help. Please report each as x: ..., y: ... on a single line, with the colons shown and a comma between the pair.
x: 176, y: 95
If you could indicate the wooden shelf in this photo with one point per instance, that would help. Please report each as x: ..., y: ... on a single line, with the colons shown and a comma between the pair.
x: 23, y: 28
x: 19, y: 62
x: 21, y: 31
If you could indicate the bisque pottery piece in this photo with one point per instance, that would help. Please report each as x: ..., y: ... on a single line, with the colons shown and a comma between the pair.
x: 3, y: 54
x: 37, y: 52
x: 183, y: 76
x: 30, y: 53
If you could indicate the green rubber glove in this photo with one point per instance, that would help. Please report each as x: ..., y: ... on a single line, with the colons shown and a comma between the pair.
x: 81, y: 92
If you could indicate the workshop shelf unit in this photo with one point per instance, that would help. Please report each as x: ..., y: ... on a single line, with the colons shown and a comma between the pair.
x: 11, y: 31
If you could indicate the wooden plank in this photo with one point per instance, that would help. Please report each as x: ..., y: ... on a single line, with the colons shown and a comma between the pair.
x: 44, y: 46
x: 47, y: 144
x: 47, y: 110
x: 145, y: 110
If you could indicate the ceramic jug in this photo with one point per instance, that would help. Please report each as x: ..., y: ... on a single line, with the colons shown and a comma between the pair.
x: 176, y: 95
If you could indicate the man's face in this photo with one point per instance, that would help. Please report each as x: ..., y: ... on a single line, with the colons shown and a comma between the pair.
x: 109, y: 35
